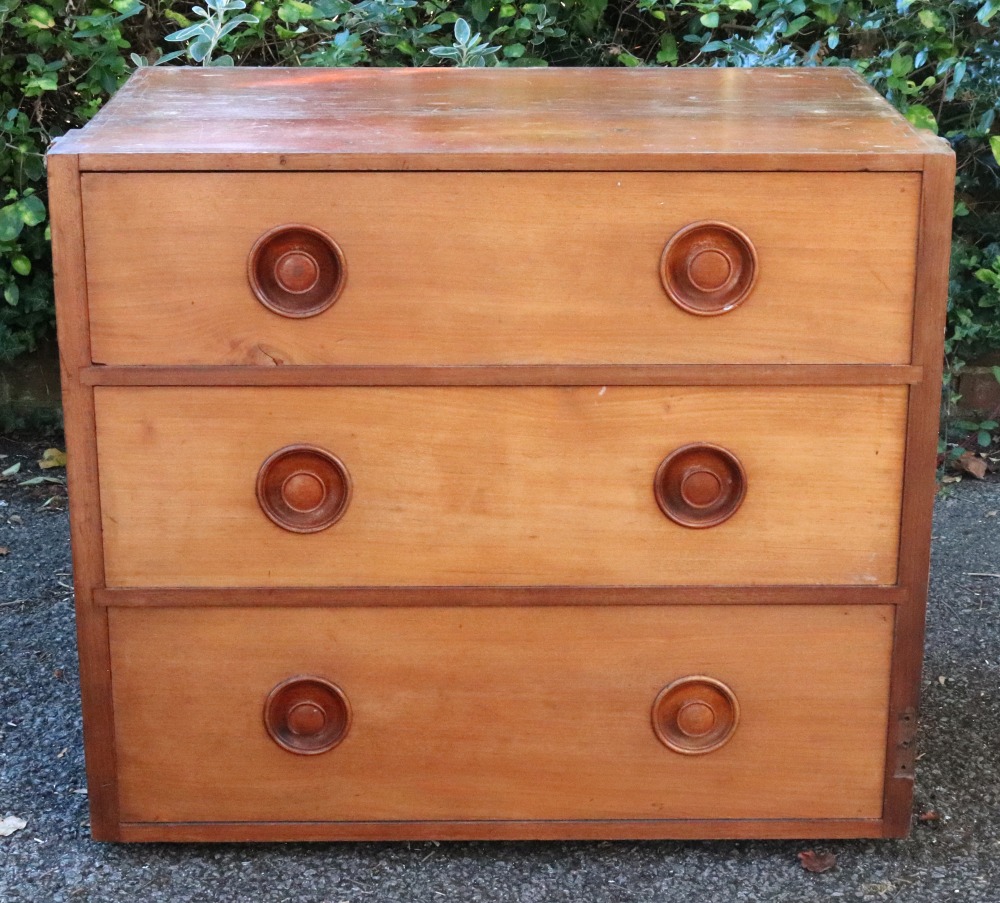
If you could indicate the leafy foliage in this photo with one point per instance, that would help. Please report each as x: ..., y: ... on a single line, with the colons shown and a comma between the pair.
x: 937, y: 61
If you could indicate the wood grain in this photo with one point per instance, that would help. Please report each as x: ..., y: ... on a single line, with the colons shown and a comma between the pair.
x: 510, y: 375
x: 500, y: 486
x: 578, y: 829
x: 428, y: 282
x: 85, y: 512
x: 493, y: 596
x: 937, y: 200
x: 501, y: 714
x: 433, y: 118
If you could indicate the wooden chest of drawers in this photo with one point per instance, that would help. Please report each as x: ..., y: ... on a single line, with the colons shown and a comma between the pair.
x: 500, y: 454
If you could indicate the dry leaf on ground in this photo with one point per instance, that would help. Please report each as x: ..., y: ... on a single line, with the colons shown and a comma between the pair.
x: 973, y: 464
x: 52, y: 457
x: 10, y: 824
x: 10, y: 471
x: 817, y: 862
x: 929, y: 817
x: 4, y: 551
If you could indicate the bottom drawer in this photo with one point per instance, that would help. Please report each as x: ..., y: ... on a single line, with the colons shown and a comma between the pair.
x: 501, y: 713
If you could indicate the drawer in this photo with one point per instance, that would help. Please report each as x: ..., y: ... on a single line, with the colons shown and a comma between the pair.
x: 501, y: 713
x: 480, y: 268
x: 500, y: 486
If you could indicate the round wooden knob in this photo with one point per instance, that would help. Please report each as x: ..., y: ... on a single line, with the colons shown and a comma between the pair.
x: 700, y: 485
x: 695, y: 715
x: 307, y: 715
x: 303, y: 488
x: 296, y: 271
x: 708, y: 268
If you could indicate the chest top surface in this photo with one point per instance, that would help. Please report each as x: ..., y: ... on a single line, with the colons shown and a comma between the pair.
x: 559, y: 119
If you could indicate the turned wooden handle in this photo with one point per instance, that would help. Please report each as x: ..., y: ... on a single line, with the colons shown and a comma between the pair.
x: 307, y: 715
x: 303, y: 488
x: 700, y: 485
x: 708, y: 268
x: 296, y: 271
x: 695, y: 715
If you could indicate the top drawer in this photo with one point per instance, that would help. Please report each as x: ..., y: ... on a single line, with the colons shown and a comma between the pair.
x: 502, y: 268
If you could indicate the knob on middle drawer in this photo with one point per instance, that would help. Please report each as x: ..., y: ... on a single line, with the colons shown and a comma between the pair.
x: 700, y: 485
x: 303, y: 488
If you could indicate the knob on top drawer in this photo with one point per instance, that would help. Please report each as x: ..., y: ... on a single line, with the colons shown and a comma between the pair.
x: 708, y: 268
x: 296, y: 271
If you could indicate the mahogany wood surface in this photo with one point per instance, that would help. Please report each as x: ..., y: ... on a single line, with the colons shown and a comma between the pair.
x: 492, y: 596
x: 85, y: 512
x: 426, y: 283
x: 404, y: 119
x: 500, y: 486
x: 937, y: 199
x: 475, y: 648
x: 501, y: 713
x: 551, y: 829
x: 509, y: 375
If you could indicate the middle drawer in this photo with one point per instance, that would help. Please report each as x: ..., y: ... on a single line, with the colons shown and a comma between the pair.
x: 500, y: 486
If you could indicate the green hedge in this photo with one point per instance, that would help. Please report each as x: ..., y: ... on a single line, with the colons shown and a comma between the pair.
x: 937, y: 61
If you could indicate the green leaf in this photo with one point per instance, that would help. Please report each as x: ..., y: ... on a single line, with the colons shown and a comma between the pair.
x: 514, y: 51
x: 901, y: 65
x: 668, y: 50
x: 11, y: 294
x: 928, y: 18
x: 921, y: 117
x: 996, y: 374
x: 984, y: 438
x: 463, y: 31
x: 796, y: 25
x: 11, y: 223
x: 39, y: 17
x: 995, y: 147
x: 21, y: 264
x: 710, y: 20
x: 740, y: 6
x: 32, y: 210
x: 987, y: 11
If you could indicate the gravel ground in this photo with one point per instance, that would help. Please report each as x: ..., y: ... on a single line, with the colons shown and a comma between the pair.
x: 42, y: 780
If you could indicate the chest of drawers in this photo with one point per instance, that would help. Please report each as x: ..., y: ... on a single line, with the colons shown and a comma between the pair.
x: 500, y: 454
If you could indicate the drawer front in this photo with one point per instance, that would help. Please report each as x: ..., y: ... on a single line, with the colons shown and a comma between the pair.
x: 480, y: 268
x: 502, y: 713
x: 525, y: 486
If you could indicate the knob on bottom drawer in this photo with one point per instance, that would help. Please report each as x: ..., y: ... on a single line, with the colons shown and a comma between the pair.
x: 695, y: 715
x: 307, y: 715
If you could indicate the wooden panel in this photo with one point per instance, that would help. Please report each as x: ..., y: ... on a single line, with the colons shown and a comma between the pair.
x: 574, y: 279
x: 510, y: 375
x: 501, y: 713
x: 502, y: 486
x: 405, y: 596
x: 81, y: 472
x: 578, y: 829
x: 432, y: 118
x: 937, y: 199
